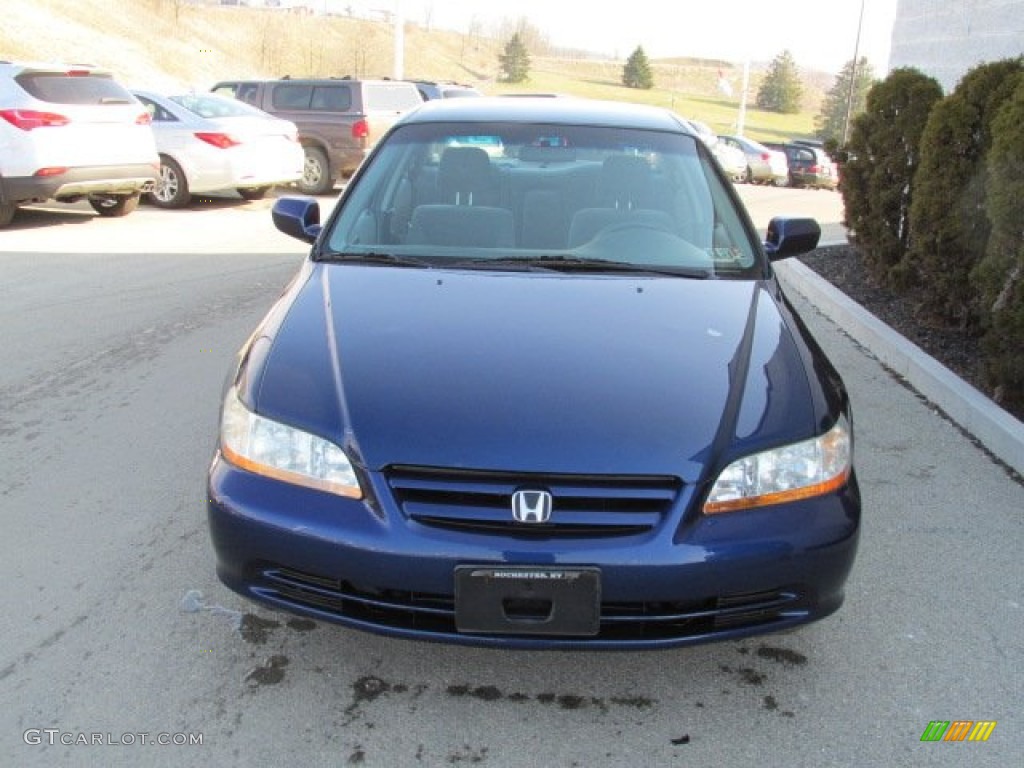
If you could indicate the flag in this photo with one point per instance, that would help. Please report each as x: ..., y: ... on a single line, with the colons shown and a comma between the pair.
x: 723, y: 84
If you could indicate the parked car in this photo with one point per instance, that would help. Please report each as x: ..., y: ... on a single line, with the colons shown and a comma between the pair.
x: 71, y: 132
x: 211, y: 143
x: 809, y: 166
x: 554, y: 398
x: 764, y: 165
x: 444, y: 89
x: 732, y: 160
x: 823, y: 153
x: 339, y: 119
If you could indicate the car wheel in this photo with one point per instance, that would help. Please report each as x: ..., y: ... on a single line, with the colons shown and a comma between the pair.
x: 171, y: 190
x: 253, y: 193
x: 316, y: 173
x: 750, y: 176
x: 6, y: 213
x: 113, y: 206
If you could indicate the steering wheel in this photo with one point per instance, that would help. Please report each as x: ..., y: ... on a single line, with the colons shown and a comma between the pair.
x: 642, y: 242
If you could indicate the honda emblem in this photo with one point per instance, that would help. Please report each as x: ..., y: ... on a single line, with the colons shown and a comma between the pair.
x: 531, y: 506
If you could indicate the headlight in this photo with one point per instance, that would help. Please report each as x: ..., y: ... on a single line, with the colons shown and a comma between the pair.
x: 276, y: 450
x: 809, y: 468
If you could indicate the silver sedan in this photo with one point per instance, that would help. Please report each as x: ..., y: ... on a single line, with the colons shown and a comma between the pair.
x: 210, y: 143
x: 764, y: 165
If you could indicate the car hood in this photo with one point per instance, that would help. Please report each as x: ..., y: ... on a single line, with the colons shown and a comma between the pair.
x: 535, y: 372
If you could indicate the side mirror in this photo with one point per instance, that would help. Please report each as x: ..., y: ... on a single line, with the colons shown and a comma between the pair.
x: 298, y: 217
x: 790, y: 237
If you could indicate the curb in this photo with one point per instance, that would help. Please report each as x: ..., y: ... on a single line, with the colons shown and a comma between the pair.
x: 999, y: 431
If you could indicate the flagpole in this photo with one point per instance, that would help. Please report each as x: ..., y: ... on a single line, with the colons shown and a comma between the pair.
x: 742, y: 118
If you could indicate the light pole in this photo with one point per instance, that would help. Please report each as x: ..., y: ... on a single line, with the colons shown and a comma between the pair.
x: 853, y: 77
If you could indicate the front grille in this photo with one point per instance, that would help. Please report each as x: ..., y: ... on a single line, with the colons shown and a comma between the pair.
x: 434, y: 614
x: 582, y: 505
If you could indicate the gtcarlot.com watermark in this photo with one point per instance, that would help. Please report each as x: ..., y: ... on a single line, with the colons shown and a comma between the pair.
x: 55, y: 736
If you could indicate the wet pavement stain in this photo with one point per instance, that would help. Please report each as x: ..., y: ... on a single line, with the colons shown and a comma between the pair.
x: 358, y: 756
x: 484, y: 692
x: 467, y: 755
x: 302, y: 625
x: 256, y: 630
x: 364, y: 690
x: 781, y: 655
x: 567, y: 701
x: 271, y: 673
x: 751, y: 676
x: 636, y: 702
x: 570, y: 701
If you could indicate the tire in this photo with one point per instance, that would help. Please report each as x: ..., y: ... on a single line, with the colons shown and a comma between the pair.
x: 253, y: 193
x: 749, y: 179
x: 114, y: 206
x: 316, y: 173
x: 6, y: 213
x: 171, y: 189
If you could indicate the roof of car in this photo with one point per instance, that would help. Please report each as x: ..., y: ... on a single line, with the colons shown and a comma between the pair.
x: 568, y: 111
x: 318, y: 80
x: 58, y: 67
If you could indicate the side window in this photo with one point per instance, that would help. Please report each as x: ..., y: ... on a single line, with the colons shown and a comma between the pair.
x: 331, y: 98
x: 390, y: 97
x: 292, y: 96
x: 158, y: 113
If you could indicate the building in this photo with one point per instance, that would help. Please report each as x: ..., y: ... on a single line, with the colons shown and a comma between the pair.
x: 946, y: 38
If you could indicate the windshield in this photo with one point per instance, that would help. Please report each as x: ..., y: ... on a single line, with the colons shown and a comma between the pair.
x: 551, y: 196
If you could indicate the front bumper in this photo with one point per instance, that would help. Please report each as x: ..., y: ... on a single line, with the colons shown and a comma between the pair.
x: 686, y: 580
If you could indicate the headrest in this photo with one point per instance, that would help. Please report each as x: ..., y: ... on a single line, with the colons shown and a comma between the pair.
x: 464, y: 169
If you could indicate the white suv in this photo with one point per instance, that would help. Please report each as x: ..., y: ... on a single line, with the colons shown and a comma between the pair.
x: 72, y: 132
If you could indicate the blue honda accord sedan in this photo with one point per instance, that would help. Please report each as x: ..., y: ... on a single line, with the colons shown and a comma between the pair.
x: 536, y: 386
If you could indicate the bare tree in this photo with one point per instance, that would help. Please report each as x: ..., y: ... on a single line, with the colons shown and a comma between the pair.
x: 530, y: 35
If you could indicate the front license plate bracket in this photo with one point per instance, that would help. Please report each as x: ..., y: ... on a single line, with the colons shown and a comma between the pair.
x: 528, y: 600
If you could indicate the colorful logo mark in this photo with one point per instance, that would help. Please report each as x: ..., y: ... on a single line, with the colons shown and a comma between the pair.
x: 958, y: 730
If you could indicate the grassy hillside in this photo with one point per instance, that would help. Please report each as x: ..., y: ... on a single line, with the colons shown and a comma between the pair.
x: 171, y: 44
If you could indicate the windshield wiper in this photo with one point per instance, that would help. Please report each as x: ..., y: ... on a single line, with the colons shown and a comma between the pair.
x: 373, y: 257
x: 518, y: 263
x: 563, y: 263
